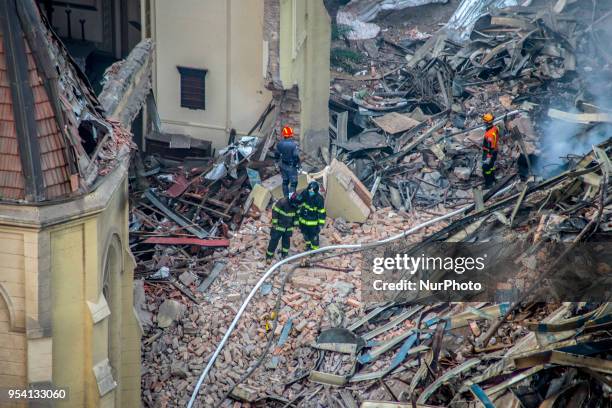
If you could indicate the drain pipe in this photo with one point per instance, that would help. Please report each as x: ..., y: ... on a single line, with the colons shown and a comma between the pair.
x: 299, y: 256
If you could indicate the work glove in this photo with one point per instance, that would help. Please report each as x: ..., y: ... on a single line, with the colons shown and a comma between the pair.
x: 486, y: 161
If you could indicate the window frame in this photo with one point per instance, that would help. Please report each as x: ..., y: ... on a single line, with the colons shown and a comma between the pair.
x: 189, y: 95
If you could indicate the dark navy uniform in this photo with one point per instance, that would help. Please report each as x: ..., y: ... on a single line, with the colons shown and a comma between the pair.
x: 311, y: 215
x: 289, y: 158
x: 284, y: 218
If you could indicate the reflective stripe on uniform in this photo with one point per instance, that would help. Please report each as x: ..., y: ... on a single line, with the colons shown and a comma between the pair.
x: 269, y: 253
x: 309, y: 208
x: 309, y: 222
x: 283, y: 229
x: 285, y: 250
x: 281, y: 212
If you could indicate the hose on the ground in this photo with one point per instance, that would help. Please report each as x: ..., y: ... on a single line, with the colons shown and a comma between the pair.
x: 295, y: 257
x: 269, y: 343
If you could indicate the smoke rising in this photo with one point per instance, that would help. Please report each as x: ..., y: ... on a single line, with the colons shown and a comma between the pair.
x: 593, y: 81
x: 562, y: 140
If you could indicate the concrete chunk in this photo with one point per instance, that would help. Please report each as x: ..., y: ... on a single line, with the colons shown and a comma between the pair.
x: 305, y: 282
x: 275, y: 185
x: 395, y: 122
x: 169, y: 311
x: 261, y: 197
x: 462, y: 173
x: 187, y: 278
x: 346, y: 196
x: 244, y: 393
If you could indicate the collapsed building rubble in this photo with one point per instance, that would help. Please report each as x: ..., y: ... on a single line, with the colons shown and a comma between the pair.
x: 326, y: 348
x: 184, y: 208
x: 308, y: 337
x: 192, y: 205
x: 432, y: 100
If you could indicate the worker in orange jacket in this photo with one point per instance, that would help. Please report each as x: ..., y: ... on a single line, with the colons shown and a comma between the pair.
x: 489, y: 149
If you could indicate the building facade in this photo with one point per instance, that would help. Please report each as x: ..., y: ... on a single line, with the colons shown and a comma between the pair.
x: 208, y: 70
x: 66, y: 314
x: 219, y: 63
x: 298, y: 39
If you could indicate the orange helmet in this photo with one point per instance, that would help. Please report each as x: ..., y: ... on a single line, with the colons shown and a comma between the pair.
x: 488, y: 117
x: 287, y: 131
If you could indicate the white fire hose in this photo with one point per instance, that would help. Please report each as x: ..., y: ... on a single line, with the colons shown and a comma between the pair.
x: 298, y: 256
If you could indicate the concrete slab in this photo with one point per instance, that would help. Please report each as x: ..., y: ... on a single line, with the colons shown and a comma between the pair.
x: 275, y: 185
x: 346, y: 196
x: 261, y: 197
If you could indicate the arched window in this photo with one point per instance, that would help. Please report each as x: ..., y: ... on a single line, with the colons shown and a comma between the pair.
x: 112, y: 290
x: 12, y: 347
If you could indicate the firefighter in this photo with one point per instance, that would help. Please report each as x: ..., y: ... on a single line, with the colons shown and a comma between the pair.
x: 311, y: 214
x: 284, y: 218
x: 489, y: 149
x: 289, y: 161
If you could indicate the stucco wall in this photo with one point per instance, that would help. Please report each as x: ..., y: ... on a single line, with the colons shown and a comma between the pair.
x: 12, y: 310
x: 12, y: 351
x: 53, y: 274
x: 304, y: 44
x: 69, y: 324
x: 226, y: 38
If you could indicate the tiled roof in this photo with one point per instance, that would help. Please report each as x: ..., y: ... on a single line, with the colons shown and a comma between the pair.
x: 52, y: 145
x: 46, y: 101
x: 12, y: 184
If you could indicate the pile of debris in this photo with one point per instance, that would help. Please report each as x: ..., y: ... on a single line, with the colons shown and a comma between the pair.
x: 181, y: 334
x: 415, y: 121
x: 187, y: 209
x: 328, y: 347
x: 312, y: 340
x: 309, y: 337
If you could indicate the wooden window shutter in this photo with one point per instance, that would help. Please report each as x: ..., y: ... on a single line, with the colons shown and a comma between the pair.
x: 193, y: 87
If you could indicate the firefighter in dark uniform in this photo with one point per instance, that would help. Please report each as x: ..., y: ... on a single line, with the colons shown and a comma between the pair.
x: 284, y: 218
x: 289, y: 161
x: 311, y: 214
x: 489, y: 149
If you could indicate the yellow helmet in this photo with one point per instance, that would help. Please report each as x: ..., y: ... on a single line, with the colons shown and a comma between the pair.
x: 488, y: 117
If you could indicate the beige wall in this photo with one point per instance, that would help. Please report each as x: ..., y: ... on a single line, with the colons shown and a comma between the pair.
x: 226, y: 38
x: 53, y: 273
x: 12, y: 310
x: 12, y: 351
x: 305, y: 40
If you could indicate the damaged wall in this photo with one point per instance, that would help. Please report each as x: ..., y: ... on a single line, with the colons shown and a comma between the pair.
x: 66, y: 285
x: 225, y: 38
x: 127, y: 84
x: 302, y: 42
x: 65, y: 266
